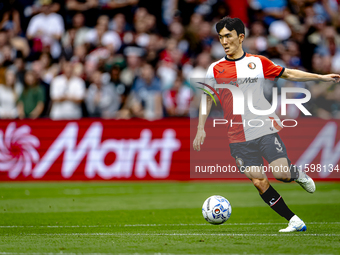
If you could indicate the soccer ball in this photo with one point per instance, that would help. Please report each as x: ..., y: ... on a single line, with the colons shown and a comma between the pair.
x: 216, y: 210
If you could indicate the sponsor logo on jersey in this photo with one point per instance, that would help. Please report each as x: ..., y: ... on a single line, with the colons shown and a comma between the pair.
x: 243, y: 81
x: 235, y: 83
x: 252, y: 65
x: 247, y: 80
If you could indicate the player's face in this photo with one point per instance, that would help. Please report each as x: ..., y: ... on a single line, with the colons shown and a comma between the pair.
x: 230, y: 41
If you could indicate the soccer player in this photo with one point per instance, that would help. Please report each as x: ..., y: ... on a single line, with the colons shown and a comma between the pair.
x: 249, y: 145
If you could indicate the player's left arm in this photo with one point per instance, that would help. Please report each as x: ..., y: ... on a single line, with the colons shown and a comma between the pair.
x: 298, y: 75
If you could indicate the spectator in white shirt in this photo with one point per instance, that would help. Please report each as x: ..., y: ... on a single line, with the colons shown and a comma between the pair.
x: 67, y: 93
x: 9, y: 94
x: 46, y: 29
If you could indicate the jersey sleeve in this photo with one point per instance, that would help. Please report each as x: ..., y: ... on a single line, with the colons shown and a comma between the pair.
x: 210, y: 79
x: 271, y: 71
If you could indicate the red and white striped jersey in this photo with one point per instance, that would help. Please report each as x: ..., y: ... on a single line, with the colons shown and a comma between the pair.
x: 247, y: 72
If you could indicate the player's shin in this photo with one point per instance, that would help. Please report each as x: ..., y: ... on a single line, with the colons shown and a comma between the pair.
x: 276, y: 202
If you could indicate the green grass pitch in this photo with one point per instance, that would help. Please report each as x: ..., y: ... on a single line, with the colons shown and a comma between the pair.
x: 161, y: 217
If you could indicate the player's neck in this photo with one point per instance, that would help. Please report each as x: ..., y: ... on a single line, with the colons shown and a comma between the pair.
x: 238, y: 54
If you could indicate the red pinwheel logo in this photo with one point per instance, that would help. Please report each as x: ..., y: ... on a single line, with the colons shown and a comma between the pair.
x: 18, y: 150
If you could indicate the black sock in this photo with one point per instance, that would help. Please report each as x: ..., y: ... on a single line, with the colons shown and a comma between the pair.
x: 275, y: 201
x: 294, y: 172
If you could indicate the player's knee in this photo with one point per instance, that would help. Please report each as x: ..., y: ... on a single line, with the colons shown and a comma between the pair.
x: 261, y: 184
x: 281, y: 170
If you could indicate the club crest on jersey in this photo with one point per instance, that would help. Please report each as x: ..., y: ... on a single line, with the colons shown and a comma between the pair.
x: 239, y: 162
x: 252, y: 65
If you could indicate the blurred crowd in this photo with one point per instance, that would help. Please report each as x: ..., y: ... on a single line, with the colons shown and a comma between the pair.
x: 67, y: 59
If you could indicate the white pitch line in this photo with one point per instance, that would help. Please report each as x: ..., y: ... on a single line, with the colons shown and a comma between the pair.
x: 174, y: 234
x: 73, y: 253
x: 167, y: 225
x: 50, y: 253
x: 234, y: 224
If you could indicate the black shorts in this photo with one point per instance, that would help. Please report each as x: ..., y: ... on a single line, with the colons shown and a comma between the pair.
x: 251, y: 153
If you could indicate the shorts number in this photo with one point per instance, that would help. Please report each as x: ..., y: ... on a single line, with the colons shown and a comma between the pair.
x: 276, y: 141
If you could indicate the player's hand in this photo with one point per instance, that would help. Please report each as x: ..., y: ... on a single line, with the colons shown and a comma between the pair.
x: 331, y: 77
x: 199, y: 139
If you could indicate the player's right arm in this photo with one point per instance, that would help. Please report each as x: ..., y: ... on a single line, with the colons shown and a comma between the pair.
x: 202, y: 118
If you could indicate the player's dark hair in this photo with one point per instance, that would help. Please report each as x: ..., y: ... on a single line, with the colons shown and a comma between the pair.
x: 230, y: 24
